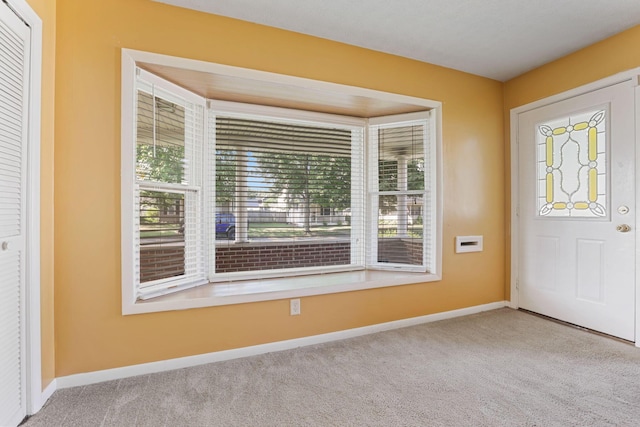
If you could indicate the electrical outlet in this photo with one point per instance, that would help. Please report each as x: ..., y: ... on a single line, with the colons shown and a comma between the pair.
x: 294, y: 306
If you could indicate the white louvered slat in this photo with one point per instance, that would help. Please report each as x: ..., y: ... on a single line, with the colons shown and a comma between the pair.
x: 13, y: 150
x: 10, y: 318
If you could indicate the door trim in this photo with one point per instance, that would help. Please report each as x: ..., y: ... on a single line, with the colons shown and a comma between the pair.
x: 630, y: 75
x: 36, y: 396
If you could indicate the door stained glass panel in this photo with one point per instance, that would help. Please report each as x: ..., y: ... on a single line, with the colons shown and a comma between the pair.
x: 572, y: 166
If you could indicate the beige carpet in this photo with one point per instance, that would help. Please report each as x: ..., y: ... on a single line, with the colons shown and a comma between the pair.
x: 499, y: 368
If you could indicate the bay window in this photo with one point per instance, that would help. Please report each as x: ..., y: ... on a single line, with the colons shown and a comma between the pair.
x: 217, y: 192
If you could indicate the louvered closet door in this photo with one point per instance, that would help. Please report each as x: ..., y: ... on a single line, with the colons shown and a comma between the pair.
x: 14, y: 55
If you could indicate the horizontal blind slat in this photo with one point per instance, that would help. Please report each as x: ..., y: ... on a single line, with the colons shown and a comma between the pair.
x: 292, y: 185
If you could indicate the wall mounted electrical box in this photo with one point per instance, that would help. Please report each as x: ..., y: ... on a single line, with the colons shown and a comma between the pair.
x: 468, y: 244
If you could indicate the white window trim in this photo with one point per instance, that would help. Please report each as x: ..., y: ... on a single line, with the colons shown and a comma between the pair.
x: 217, y: 294
x: 130, y: 74
x: 155, y: 86
x: 273, y: 288
x: 285, y: 115
x: 401, y: 120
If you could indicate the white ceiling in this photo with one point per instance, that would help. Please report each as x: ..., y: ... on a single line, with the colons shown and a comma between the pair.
x: 499, y: 39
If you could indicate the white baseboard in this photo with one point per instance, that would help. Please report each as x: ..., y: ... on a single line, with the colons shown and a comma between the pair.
x: 201, y: 359
x: 41, y: 399
x: 49, y: 390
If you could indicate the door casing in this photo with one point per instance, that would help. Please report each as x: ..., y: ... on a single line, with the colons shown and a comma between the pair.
x: 634, y: 75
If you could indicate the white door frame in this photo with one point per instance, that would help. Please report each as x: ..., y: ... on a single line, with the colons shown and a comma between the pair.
x: 634, y: 75
x: 36, y: 397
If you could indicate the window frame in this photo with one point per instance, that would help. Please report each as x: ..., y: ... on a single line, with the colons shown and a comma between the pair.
x: 192, y: 190
x: 131, y: 186
x: 214, y: 294
x: 284, y: 115
x: 429, y: 240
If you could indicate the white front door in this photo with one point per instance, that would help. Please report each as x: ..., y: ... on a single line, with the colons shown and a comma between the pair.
x: 14, y: 72
x: 576, y: 210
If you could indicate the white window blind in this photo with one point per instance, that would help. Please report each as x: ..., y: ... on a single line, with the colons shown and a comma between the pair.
x: 168, y: 224
x: 400, y: 194
x: 289, y: 197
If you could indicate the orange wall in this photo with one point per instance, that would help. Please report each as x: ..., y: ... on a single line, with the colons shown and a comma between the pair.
x: 91, y: 334
x: 46, y: 10
x: 608, y: 57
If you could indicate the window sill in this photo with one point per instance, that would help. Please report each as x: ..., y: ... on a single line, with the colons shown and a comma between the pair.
x: 215, y: 294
